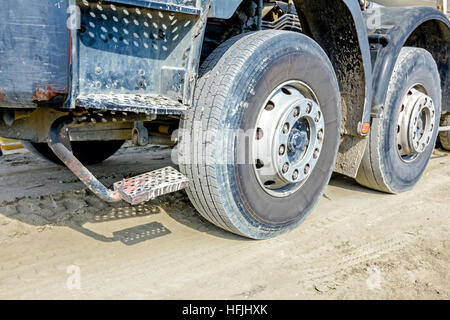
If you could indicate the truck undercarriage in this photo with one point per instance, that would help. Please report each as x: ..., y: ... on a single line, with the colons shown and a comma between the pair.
x: 261, y: 100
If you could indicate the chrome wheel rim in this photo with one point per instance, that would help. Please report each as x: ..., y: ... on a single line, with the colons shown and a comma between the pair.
x: 288, y: 138
x: 416, y: 123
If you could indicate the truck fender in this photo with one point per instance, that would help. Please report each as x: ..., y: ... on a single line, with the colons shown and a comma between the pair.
x: 341, y: 30
x: 421, y: 27
x: 223, y: 9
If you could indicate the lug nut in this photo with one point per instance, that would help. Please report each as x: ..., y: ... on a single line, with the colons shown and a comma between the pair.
x: 307, y: 168
x: 259, y: 134
x: 270, y: 106
x: 282, y: 149
x: 309, y: 108
x: 317, y: 119
x: 285, y: 167
x: 286, y: 128
x: 320, y: 135
x: 316, y: 153
x: 295, y: 175
x: 296, y: 112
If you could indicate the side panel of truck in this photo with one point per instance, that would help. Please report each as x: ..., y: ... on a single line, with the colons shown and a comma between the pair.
x: 34, y: 52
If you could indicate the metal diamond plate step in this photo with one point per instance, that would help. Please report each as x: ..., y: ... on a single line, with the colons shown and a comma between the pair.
x: 140, y: 103
x: 163, y: 5
x: 151, y: 185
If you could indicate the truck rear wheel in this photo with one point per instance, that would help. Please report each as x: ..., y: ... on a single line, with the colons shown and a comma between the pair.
x: 260, y: 144
x: 88, y: 152
x: 403, y: 138
x: 444, y: 136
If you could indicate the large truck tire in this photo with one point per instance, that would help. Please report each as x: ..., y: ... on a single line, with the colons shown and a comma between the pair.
x: 444, y: 136
x: 88, y: 152
x: 402, y: 140
x: 260, y: 143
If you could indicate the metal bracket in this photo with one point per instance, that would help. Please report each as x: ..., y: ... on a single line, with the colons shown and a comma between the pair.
x: 140, y: 134
x: 135, y: 190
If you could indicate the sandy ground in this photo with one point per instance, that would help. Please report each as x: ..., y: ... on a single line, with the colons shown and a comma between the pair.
x: 59, y: 241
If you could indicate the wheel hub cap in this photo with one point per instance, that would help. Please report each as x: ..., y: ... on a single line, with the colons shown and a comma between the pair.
x: 288, y: 139
x: 415, y: 126
x: 298, y: 140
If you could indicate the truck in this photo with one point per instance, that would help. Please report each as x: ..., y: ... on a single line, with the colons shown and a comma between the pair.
x: 260, y: 101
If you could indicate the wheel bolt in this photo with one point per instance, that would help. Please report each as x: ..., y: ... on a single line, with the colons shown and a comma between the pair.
x: 316, y: 153
x: 286, y: 128
x: 309, y: 108
x: 285, y: 167
x: 282, y: 149
x: 270, y: 106
x: 259, y: 134
x: 296, y: 112
x: 295, y: 175
x: 320, y: 135
x: 317, y: 119
x: 307, y: 168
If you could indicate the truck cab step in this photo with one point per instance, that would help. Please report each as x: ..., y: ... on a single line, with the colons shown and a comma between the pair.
x: 162, y: 5
x: 139, y: 103
x: 135, y: 190
x: 151, y: 185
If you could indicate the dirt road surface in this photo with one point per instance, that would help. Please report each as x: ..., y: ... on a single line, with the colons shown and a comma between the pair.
x: 59, y: 241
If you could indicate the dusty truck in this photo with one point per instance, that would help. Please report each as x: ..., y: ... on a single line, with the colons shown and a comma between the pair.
x: 261, y: 101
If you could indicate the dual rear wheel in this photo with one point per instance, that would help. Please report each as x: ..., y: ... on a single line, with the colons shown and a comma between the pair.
x: 402, y: 140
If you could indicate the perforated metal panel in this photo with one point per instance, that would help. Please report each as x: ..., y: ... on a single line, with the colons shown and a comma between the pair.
x: 151, y: 185
x: 131, y: 102
x: 127, y: 51
x: 185, y: 6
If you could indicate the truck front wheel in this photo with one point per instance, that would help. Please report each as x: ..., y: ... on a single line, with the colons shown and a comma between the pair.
x: 403, y: 138
x: 260, y: 143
